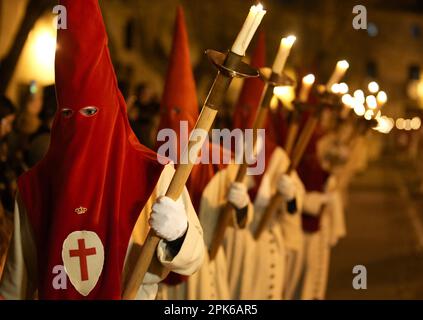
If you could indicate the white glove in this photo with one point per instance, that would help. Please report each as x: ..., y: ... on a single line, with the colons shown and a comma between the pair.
x: 238, y: 195
x: 168, y: 218
x: 313, y: 202
x: 287, y: 187
x: 336, y: 156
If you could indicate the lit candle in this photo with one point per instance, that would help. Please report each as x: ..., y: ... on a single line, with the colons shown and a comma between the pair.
x: 400, y: 124
x: 407, y: 124
x: 348, y: 100
x: 335, y: 88
x: 371, y: 102
x: 359, y: 96
x: 250, y: 26
x: 416, y: 123
x: 381, y: 98
x: 307, y: 83
x: 285, y: 94
x: 341, y: 68
x: 283, y: 53
x: 373, y: 87
x: 368, y: 115
x: 343, y: 88
x: 359, y: 109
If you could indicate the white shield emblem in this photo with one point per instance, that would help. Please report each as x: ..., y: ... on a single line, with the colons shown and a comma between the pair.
x: 83, y: 259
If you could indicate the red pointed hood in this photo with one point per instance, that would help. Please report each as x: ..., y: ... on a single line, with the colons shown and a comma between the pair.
x: 179, y: 101
x: 96, y: 176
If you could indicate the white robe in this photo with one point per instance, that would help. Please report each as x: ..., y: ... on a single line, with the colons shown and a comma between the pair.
x: 18, y: 278
x: 211, y: 281
x: 293, y: 235
x: 257, y: 268
x: 315, y: 257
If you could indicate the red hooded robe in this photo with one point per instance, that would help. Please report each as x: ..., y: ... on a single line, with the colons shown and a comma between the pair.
x: 84, y: 197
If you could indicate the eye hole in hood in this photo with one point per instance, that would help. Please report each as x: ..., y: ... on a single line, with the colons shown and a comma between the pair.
x: 88, y: 111
x: 66, y: 113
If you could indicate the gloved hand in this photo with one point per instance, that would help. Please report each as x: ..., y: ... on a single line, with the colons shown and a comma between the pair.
x: 238, y: 195
x: 341, y: 153
x: 168, y: 218
x: 287, y: 187
x: 313, y: 202
x: 336, y: 156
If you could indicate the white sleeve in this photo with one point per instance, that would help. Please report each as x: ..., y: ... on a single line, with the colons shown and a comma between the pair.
x: 15, y: 284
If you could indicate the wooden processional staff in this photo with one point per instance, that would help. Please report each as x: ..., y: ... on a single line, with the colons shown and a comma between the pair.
x: 300, y: 104
x: 272, y: 80
x: 277, y: 200
x: 229, y: 66
x: 327, y: 99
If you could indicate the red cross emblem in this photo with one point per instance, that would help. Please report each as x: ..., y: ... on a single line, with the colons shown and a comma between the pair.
x: 83, y: 258
x: 82, y: 253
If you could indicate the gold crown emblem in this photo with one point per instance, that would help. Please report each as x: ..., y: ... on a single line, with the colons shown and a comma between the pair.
x: 80, y: 210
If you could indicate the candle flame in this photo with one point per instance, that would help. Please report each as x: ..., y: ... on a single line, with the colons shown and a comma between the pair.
x: 343, y: 64
x: 368, y: 115
x: 288, y: 41
x: 407, y: 125
x: 348, y: 100
x: 359, y: 109
x: 258, y: 8
x: 286, y: 94
x: 309, y: 79
x: 335, y: 88
x: 359, y: 96
x: 416, y: 123
x: 371, y: 102
x: 343, y: 88
x: 382, y: 97
x: 373, y: 87
x: 358, y: 93
x: 384, y: 124
x: 400, y: 123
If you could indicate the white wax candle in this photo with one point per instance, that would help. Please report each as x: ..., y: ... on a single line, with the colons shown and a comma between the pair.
x: 283, y: 53
x: 341, y: 68
x: 248, y: 30
x: 307, y: 83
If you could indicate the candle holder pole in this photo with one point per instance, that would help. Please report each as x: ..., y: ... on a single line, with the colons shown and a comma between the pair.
x: 229, y: 66
x: 271, y: 80
x: 327, y: 100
